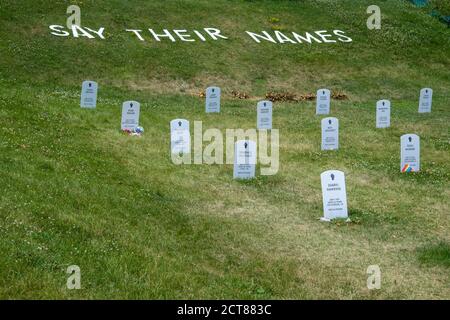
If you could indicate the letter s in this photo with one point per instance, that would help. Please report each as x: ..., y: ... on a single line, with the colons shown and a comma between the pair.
x: 57, y: 32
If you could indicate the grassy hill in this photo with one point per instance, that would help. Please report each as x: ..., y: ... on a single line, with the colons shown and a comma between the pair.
x: 75, y: 191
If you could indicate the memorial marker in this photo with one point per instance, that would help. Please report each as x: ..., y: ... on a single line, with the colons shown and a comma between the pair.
x: 334, y: 195
x: 426, y: 100
x: 323, y: 101
x: 383, y: 114
x: 244, y: 159
x: 264, y: 115
x: 89, y: 94
x: 330, y: 134
x: 180, y: 137
x: 130, y: 115
x: 213, y: 99
x: 410, y: 153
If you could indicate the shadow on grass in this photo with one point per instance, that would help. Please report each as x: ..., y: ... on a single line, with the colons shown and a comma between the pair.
x: 371, y: 217
x: 261, y: 182
x: 435, y: 254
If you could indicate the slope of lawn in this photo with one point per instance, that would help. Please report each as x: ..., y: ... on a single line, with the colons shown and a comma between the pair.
x: 75, y: 191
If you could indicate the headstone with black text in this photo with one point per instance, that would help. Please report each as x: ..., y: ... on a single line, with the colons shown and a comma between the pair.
x: 130, y: 115
x: 180, y: 137
x: 264, y: 115
x: 334, y: 195
x: 426, y: 100
x: 323, y: 101
x: 410, y: 153
x: 244, y: 159
x: 330, y: 134
x: 89, y: 94
x: 383, y: 117
x: 212, y: 99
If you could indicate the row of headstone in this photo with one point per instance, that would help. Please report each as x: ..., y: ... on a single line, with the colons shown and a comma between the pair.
x: 383, y: 117
x: 425, y: 101
x: 323, y: 104
x: 334, y: 195
x: 264, y: 108
x: 181, y: 138
x: 89, y: 91
x: 330, y: 125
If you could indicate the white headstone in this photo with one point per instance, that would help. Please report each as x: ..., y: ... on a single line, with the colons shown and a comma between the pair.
x: 244, y: 159
x: 130, y: 115
x: 334, y: 195
x: 89, y: 94
x: 213, y: 99
x: 426, y: 100
x: 180, y: 137
x: 410, y: 153
x: 330, y: 134
x: 383, y: 114
x: 323, y: 101
x: 264, y: 115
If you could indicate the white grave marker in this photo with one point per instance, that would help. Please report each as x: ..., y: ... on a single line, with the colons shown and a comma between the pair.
x: 130, y: 115
x: 89, y: 94
x: 264, y: 115
x: 426, y: 100
x: 383, y: 114
x: 410, y: 153
x: 244, y: 159
x: 323, y: 101
x: 330, y: 134
x: 180, y: 137
x: 334, y: 195
x: 213, y: 99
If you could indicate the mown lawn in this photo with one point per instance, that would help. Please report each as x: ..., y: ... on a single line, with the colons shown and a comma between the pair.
x: 75, y: 191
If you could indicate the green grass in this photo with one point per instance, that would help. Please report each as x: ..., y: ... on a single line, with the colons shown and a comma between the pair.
x: 74, y: 190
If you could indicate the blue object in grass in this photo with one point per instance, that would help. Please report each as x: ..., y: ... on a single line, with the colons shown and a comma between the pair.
x: 139, y: 130
x: 420, y: 3
x: 435, y: 14
x: 446, y: 19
